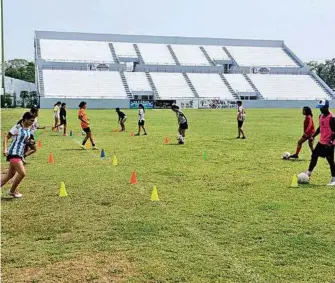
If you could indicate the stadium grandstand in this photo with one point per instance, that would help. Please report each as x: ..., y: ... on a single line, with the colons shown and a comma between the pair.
x: 112, y: 70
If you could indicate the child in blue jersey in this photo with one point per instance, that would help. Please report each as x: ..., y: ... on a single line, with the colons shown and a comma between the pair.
x: 20, y: 134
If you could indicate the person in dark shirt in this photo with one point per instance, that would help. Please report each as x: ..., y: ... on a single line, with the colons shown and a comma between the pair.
x: 62, y: 116
x: 122, y: 119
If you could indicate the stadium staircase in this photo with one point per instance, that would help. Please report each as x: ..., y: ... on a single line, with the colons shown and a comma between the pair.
x: 138, y: 53
x: 253, y: 86
x: 188, y: 81
x: 112, y: 49
x: 125, y: 85
x: 330, y: 96
x: 39, y: 73
x: 173, y: 55
x: 210, y: 61
x: 152, y: 84
x: 292, y: 57
x: 229, y: 55
x: 233, y: 93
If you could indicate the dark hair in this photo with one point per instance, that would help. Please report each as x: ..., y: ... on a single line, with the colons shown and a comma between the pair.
x: 28, y: 116
x: 141, y: 106
x: 63, y: 104
x: 34, y: 110
x: 58, y: 103
x: 239, y: 102
x: 81, y: 104
x: 117, y: 109
x: 307, y: 110
x: 174, y: 106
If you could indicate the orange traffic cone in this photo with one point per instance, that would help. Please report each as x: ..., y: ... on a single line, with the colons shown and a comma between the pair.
x: 133, y: 179
x: 132, y: 134
x: 166, y: 140
x: 51, y: 159
x: 39, y: 144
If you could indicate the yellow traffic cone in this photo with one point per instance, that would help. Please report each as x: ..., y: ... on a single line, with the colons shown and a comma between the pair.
x: 154, y: 194
x: 88, y: 145
x: 294, y: 183
x: 62, y: 190
x: 115, y: 163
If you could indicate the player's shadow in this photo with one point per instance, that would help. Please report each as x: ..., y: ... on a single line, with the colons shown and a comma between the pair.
x: 72, y: 149
x: 7, y: 198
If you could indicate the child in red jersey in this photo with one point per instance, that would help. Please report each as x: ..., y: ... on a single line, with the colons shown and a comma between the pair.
x: 309, y: 131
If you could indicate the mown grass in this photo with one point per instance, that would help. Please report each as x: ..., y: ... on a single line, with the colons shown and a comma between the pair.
x: 230, y: 218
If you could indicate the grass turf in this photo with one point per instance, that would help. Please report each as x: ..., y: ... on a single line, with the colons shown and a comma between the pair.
x: 230, y: 218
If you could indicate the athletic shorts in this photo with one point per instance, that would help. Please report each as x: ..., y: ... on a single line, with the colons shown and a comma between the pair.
x: 323, y: 150
x: 240, y: 123
x: 123, y: 120
x: 87, y: 130
x: 141, y: 123
x: 183, y: 126
x: 14, y: 158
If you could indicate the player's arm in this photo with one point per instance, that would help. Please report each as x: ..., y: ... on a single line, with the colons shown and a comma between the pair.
x: 309, y: 126
x: 317, y: 132
x: 332, y: 126
x: 5, y: 143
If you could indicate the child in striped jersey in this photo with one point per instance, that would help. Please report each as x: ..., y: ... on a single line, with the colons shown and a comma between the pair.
x: 20, y: 134
x: 182, y: 121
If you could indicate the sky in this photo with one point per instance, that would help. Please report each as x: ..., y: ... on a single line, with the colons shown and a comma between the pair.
x: 306, y: 26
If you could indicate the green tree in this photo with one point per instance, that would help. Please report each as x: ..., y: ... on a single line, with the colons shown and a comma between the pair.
x: 20, y: 69
x: 326, y: 71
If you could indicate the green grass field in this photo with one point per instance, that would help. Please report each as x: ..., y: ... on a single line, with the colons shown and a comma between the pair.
x: 230, y: 218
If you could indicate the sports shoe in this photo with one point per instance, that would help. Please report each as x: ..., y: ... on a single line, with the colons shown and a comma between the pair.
x: 64, y: 135
x: 180, y: 142
x: 95, y: 147
x: 83, y: 147
x: 137, y: 134
x: 15, y: 195
x: 237, y: 137
x: 145, y: 134
x: 294, y: 156
x: 243, y: 138
x: 332, y: 182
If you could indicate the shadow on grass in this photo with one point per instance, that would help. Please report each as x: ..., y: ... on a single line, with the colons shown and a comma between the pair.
x: 72, y: 149
x: 7, y: 198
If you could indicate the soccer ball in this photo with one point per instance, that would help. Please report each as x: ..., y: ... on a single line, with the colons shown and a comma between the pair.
x: 286, y: 155
x: 60, y: 128
x: 303, y: 178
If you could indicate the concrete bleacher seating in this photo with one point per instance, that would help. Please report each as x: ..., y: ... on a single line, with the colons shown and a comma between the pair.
x: 96, y: 84
x: 137, y: 81
x: 292, y: 87
x: 238, y: 83
x: 75, y: 50
x: 210, y: 85
x: 124, y: 49
x: 190, y: 55
x: 156, y: 54
x: 216, y: 52
x: 261, y: 56
x: 171, y: 85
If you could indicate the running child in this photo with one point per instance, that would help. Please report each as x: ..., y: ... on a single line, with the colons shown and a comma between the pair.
x: 325, y: 147
x: 62, y: 116
x: 82, y: 116
x: 122, y: 119
x: 308, y: 131
x: 240, y: 119
x: 141, y: 120
x: 182, y: 121
x: 56, y: 114
x: 20, y: 135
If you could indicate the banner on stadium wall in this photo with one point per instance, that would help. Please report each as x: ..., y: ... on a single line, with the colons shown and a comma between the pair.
x: 164, y: 104
x: 261, y: 71
x: 148, y: 104
x: 216, y: 103
x: 97, y: 67
x: 188, y: 103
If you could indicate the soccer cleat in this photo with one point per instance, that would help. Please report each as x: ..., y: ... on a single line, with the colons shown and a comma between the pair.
x: 243, y: 138
x: 332, y: 182
x: 237, y: 137
x: 137, y: 134
x: 15, y: 195
x: 145, y: 134
x: 180, y: 142
x: 95, y: 147
x: 293, y: 156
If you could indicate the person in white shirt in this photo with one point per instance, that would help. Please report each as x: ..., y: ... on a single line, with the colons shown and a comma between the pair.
x: 56, y: 114
x: 141, y: 120
x: 240, y: 119
x: 182, y: 122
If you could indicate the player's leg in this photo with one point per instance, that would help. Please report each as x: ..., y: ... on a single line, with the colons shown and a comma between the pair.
x: 145, y: 132
x: 310, y: 143
x: 299, y: 146
x: 315, y: 156
x: 10, y: 174
x: 21, y: 173
x: 330, y: 159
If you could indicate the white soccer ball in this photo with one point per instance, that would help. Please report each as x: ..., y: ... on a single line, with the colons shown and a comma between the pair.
x: 286, y: 155
x: 60, y: 128
x: 303, y: 178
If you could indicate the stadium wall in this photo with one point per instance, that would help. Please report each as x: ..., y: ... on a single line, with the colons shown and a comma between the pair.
x: 72, y: 103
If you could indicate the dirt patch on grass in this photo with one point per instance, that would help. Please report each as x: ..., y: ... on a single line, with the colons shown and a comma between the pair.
x: 97, y: 268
